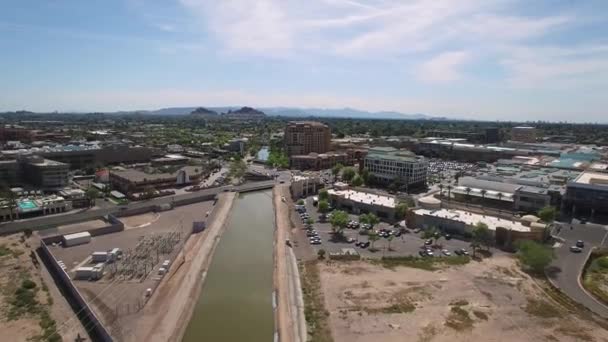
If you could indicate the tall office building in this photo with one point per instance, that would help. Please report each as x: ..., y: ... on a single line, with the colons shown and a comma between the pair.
x: 304, y: 137
x: 388, y: 164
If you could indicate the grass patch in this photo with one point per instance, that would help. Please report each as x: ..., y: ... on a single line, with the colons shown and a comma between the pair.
x: 542, y: 309
x: 460, y: 302
x: 397, y: 308
x: 317, y: 317
x: 428, y: 264
x: 459, y: 319
x: 4, y: 250
x: 481, y: 315
x: 595, y: 276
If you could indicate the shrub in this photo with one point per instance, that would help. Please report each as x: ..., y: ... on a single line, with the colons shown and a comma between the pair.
x: 28, y: 284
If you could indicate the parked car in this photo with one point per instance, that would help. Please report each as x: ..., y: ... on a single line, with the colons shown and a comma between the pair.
x: 448, y: 236
x: 364, y: 244
x: 575, y: 249
x: 422, y: 253
x: 446, y: 252
x: 461, y: 251
x: 428, y: 242
x: 397, y: 233
x: 350, y: 240
x: 580, y: 243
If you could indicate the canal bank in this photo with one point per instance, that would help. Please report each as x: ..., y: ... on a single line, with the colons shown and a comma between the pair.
x: 166, y: 315
x: 235, y: 302
x: 289, y: 313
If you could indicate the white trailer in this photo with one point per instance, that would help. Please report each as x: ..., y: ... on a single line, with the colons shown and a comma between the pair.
x: 99, y: 257
x: 84, y: 272
x: 75, y: 239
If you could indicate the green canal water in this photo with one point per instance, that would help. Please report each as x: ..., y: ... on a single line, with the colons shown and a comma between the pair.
x: 236, y: 300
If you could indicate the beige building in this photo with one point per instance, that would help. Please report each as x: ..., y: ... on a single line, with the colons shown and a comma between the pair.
x: 523, y: 134
x: 305, y: 185
x: 304, y: 137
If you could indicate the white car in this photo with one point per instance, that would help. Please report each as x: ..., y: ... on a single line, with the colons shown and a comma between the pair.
x: 446, y: 252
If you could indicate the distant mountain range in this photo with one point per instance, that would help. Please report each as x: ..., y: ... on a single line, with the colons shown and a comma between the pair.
x: 298, y: 112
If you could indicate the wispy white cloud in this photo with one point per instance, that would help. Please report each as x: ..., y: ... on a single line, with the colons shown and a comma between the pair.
x: 443, y: 68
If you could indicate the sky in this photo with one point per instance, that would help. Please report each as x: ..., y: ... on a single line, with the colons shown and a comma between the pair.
x: 472, y: 59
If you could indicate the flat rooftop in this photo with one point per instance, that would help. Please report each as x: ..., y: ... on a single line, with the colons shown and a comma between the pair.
x: 593, y: 178
x: 471, y: 219
x: 364, y: 197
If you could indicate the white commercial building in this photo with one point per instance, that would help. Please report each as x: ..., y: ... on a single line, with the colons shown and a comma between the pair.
x: 388, y: 165
x: 359, y: 202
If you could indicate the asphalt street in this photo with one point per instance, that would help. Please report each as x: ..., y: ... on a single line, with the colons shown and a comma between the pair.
x: 565, y: 271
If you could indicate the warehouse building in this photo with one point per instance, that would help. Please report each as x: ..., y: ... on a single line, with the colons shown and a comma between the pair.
x: 462, y: 222
x: 358, y: 202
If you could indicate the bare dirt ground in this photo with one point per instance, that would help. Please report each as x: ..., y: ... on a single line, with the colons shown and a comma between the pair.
x: 481, y: 301
x: 30, y: 312
x: 138, y: 221
x: 165, y: 317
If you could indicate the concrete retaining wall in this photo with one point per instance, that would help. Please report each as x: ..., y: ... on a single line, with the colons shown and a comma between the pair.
x: 97, y: 332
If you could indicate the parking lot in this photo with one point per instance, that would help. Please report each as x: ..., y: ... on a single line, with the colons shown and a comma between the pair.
x: 408, y: 243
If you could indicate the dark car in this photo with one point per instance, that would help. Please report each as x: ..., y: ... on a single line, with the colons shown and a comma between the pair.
x: 364, y: 244
x: 422, y: 253
x: 397, y: 233
x: 428, y: 242
x: 580, y: 244
x: 448, y: 236
x: 575, y: 249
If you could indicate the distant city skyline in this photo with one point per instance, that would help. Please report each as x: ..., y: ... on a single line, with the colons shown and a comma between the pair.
x: 472, y: 59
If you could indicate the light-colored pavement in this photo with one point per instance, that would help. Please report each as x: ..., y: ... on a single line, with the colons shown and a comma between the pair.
x: 290, y: 309
x: 565, y: 271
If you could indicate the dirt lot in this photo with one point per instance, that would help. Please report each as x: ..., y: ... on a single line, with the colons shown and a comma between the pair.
x: 481, y: 301
x: 31, y: 307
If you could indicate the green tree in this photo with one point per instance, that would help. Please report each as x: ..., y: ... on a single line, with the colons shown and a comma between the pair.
x: 372, y: 237
x: 429, y: 233
x: 534, y: 256
x: 10, y: 198
x: 474, y: 247
x: 357, y: 181
x: 401, y: 210
x: 323, y: 207
x: 92, y: 194
x: 389, y: 239
x: 300, y: 202
x: 310, y: 221
x: 547, y: 214
x: 323, y: 195
x: 370, y: 219
x: 336, y: 169
x: 339, y: 219
x: 348, y: 173
x: 482, y: 235
x: 365, y: 175
x: 321, y: 254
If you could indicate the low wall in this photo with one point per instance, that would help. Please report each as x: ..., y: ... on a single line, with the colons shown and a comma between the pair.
x: 97, y: 332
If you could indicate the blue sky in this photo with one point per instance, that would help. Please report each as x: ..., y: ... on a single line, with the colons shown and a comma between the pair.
x: 476, y: 59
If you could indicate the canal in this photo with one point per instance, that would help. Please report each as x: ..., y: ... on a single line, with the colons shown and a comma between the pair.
x: 236, y: 299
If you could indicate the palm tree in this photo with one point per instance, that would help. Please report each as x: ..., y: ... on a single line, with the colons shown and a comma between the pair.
x: 450, y: 187
x: 483, y: 194
x: 468, y: 191
x: 372, y: 237
x: 440, y: 189
x: 500, y: 195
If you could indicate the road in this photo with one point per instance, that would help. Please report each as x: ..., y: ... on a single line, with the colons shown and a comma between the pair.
x: 565, y: 271
x: 57, y: 220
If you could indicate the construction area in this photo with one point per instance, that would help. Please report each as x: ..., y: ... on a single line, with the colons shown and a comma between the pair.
x: 490, y: 300
x: 118, y: 270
